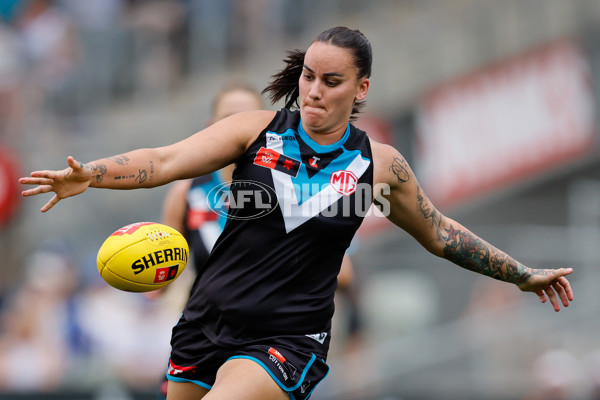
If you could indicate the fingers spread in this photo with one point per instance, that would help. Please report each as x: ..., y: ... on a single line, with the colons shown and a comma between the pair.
x: 50, y: 204
x: 51, y: 175
x: 553, y: 299
x: 37, y: 190
x: 541, y: 295
x: 36, y: 181
x: 562, y: 294
x: 564, y: 282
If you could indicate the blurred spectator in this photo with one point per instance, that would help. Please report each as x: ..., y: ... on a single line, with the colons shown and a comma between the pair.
x: 94, y: 15
x: 52, y: 50
x: 47, y: 34
x: 210, y: 25
x: 11, y: 67
x: 257, y: 24
x: 130, y: 334
x: 101, y: 75
x: 158, y: 26
x: 39, y: 324
x: 557, y: 376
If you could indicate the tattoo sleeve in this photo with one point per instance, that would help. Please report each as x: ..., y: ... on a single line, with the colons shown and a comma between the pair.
x: 469, y: 251
x: 429, y: 212
x: 458, y: 244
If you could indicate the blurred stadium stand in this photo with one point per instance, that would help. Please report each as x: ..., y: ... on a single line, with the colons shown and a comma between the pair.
x: 127, y: 74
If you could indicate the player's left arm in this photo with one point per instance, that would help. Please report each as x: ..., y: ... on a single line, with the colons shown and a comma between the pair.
x: 410, y: 209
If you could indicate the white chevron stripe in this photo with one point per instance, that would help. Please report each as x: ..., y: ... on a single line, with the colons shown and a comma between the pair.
x: 295, y: 214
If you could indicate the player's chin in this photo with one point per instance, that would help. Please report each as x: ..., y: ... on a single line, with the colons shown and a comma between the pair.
x: 314, y: 123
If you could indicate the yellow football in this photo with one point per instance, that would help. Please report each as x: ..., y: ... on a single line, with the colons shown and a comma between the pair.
x: 142, y: 257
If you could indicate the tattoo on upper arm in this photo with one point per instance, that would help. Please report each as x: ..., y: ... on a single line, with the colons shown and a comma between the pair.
x: 151, y: 171
x: 121, y: 160
x: 401, y: 169
x: 469, y: 251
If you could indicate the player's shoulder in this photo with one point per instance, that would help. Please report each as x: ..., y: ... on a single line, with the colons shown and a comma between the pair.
x: 387, y: 163
x: 247, y: 125
x: 254, y: 118
x: 382, y: 151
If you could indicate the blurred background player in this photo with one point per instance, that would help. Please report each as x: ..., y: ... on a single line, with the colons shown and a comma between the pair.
x: 185, y: 207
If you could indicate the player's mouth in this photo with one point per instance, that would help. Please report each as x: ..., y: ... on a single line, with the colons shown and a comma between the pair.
x: 314, y: 108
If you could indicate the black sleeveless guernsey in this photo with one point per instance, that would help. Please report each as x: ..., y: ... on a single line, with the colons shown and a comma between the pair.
x: 294, y: 207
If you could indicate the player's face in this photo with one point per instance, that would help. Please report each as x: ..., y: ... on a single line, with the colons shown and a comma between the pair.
x: 329, y: 85
x: 236, y: 101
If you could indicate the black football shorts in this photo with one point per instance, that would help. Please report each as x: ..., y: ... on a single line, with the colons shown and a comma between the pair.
x: 295, y: 362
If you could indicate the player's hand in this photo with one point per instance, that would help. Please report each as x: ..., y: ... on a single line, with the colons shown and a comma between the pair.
x: 68, y: 182
x: 550, y: 284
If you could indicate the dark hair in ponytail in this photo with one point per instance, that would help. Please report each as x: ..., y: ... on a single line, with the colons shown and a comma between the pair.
x: 284, y: 84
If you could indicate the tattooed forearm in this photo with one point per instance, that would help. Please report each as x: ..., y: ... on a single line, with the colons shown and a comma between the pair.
x: 467, y: 250
x: 124, y: 177
x: 98, y: 170
x: 400, y: 168
x: 429, y: 212
x: 121, y: 160
x: 142, y: 176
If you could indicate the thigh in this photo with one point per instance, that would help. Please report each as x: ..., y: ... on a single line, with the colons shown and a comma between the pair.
x: 185, y: 391
x: 244, y: 379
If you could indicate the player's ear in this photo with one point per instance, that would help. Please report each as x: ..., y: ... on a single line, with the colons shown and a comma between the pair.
x: 363, y: 89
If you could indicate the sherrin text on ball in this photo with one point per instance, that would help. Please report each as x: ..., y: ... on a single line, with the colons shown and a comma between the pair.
x: 142, y: 257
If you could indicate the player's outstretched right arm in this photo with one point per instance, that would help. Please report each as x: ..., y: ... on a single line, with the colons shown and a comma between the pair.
x: 206, y: 151
x: 114, y: 173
